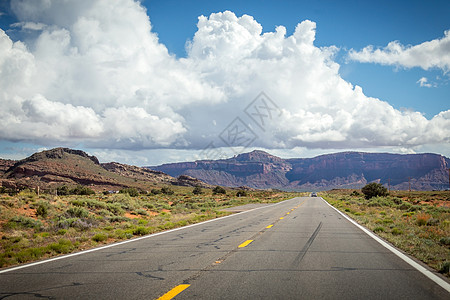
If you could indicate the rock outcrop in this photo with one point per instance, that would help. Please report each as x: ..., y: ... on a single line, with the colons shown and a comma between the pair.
x: 52, y: 168
x: 259, y: 169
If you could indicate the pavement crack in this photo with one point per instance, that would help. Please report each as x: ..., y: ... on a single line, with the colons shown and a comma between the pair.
x: 121, y: 252
x: 37, y: 293
x: 149, y: 276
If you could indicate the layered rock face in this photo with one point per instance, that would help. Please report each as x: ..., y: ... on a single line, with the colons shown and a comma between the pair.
x: 259, y: 169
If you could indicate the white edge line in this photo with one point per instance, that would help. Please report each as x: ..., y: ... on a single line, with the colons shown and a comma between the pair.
x: 439, y: 281
x: 132, y: 240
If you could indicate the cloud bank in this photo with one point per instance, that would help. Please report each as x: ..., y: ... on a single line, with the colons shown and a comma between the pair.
x: 95, y: 73
x: 430, y: 54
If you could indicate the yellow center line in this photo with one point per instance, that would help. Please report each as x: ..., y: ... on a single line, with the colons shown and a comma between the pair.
x: 173, y: 292
x: 245, y: 243
x: 281, y: 218
x: 287, y: 213
x: 270, y: 226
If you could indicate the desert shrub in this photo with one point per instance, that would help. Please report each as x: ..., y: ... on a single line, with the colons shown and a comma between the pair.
x: 167, y: 225
x: 355, y: 194
x: 379, y: 229
x: 422, y: 219
x: 141, y: 230
x: 64, y: 223
x: 133, y: 192
x: 118, y: 219
x: 141, y: 212
x: 155, y: 191
x: 125, y: 201
x: 21, y: 221
x: 63, y: 246
x: 115, y: 208
x: 445, y: 240
x: 142, y: 222
x: 445, y: 268
x: 219, y: 190
x: 167, y: 191
x: 374, y: 189
x: 63, y: 190
x: 62, y: 232
x: 241, y: 193
x: 91, y: 203
x: 81, y: 224
x: 105, y: 212
x: 415, y: 208
x: 380, y: 202
x: 396, y: 231
x: 197, y: 191
x: 26, y: 255
x: 432, y: 222
x: 149, y: 206
x: 78, y: 212
x: 191, y: 205
x: 81, y: 190
x: 42, y: 210
x: 397, y: 201
x: 404, y: 206
x: 99, y: 237
x: 27, y: 194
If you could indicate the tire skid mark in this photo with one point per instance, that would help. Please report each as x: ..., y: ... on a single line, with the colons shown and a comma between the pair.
x: 308, y: 244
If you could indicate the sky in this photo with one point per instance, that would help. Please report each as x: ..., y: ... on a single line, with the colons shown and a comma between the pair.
x: 151, y: 82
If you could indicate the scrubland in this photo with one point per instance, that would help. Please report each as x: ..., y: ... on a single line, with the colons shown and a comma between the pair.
x: 34, y: 227
x: 416, y: 222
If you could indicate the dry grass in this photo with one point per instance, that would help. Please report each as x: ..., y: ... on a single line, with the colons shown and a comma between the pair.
x: 418, y: 222
x: 35, y: 227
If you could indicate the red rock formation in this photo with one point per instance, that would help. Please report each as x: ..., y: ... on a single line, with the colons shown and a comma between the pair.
x: 259, y: 169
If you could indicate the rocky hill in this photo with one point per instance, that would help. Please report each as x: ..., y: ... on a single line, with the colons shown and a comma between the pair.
x: 5, y: 164
x: 259, y: 169
x: 59, y: 166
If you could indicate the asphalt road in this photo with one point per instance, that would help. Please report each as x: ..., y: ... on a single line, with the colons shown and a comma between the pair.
x: 309, y: 252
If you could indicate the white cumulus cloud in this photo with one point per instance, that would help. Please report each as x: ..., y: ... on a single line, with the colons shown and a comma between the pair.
x: 423, y: 82
x: 97, y: 74
x: 29, y: 25
x: 430, y: 54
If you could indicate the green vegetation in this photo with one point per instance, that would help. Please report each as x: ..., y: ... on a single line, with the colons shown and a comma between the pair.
x: 64, y: 190
x: 133, y: 192
x: 197, y: 191
x: 416, y: 222
x: 373, y: 189
x: 241, y: 193
x: 167, y: 191
x: 35, y: 226
x: 42, y: 210
x: 219, y: 190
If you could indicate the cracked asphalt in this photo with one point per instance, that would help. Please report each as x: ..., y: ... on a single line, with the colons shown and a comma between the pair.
x: 309, y: 252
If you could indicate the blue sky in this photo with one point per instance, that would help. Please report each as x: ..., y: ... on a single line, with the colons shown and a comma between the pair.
x: 345, y: 24
x: 149, y: 82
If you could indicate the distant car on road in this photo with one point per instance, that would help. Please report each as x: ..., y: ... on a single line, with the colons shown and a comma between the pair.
x: 313, y: 194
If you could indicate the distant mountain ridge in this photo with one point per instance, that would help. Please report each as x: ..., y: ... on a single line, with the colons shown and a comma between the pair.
x: 259, y: 169
x: 256, y: 169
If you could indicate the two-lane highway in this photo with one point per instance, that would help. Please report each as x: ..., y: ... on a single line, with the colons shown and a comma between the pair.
x: 297, y: 249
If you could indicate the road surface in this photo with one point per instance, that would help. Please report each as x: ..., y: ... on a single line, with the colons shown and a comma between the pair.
x: 297, y: 249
